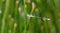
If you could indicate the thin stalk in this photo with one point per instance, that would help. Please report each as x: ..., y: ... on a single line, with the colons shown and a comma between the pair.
x: 33, y: 7
x: 16, y: 17
x: 0, y: 14
x: 25, y: 18
x: 4, y: 15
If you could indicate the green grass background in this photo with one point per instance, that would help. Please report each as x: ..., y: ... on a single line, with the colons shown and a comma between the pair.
x: 29, y: 16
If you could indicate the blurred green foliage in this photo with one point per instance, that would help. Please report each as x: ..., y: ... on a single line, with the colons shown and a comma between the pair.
x: 29, y: 16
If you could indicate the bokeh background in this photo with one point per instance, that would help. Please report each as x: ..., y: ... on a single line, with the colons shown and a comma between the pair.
x: 29, y: 16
